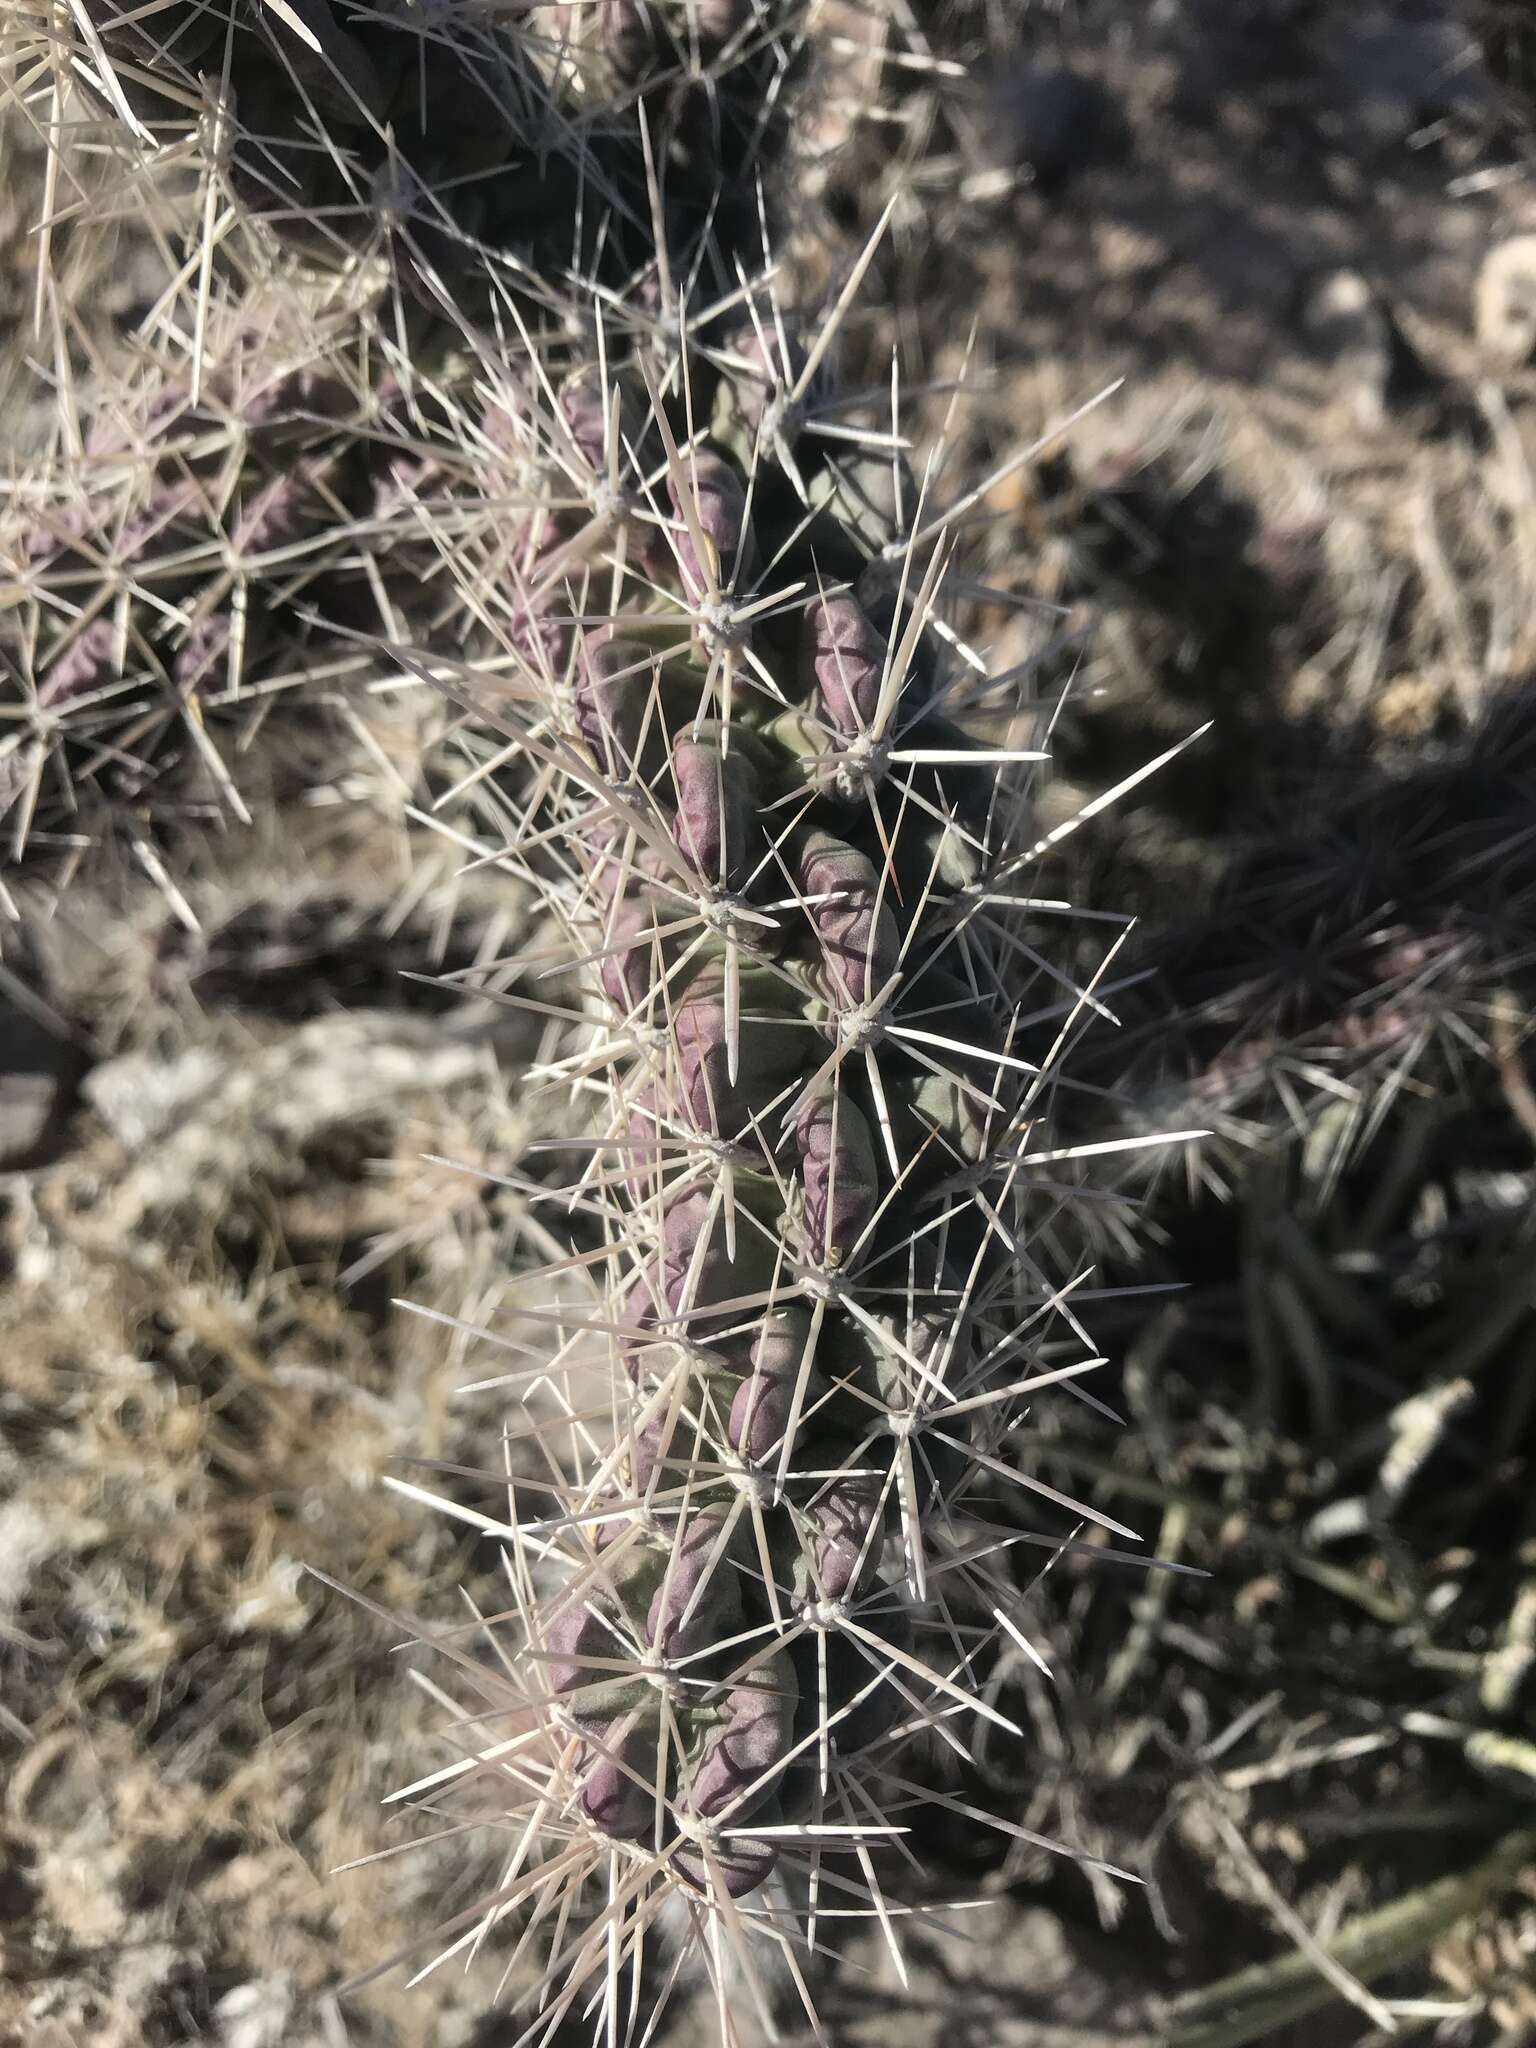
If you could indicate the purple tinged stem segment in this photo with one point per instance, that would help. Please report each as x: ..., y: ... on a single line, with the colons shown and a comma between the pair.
x: 575, y: 1634
x: 699, y: 1601
x: 839, y: 1173
x: 852, y: 916
x: 700, y: 1267
x: 758, y: 373
x: 843, y: 660
x: 718, y: 798
x: 717, y: 499
x: 740, y: 1866
x: 631, y: 974
x: 846, y: 1547
x: 745, y: 1753
x: 596, y: 1618
x: 779, y: 1372
x: 584, y: 406
x: 621, y: 861
x: 618, y: 1792
x: 772, y: 1047
x: 615, y: 685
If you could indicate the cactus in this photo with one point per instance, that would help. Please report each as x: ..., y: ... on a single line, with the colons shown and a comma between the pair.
x: 763, y: 1572
x: 162, y: 571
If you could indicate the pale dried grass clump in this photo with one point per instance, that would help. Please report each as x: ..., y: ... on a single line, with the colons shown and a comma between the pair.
x: 205, y: 1382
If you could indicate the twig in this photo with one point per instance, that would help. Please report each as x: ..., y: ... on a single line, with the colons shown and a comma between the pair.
x: 1254, y: 2002
x: 1310, y: 1948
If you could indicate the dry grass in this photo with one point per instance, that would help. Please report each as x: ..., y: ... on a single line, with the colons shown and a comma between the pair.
x: 206, y: 1383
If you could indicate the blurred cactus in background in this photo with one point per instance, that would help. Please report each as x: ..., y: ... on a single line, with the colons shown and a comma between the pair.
x: 164, y: 571
x: 487, y: 154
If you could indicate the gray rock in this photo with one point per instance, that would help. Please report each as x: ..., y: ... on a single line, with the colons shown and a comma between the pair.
x: 1505, y: 302
x: 139, y: 1098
